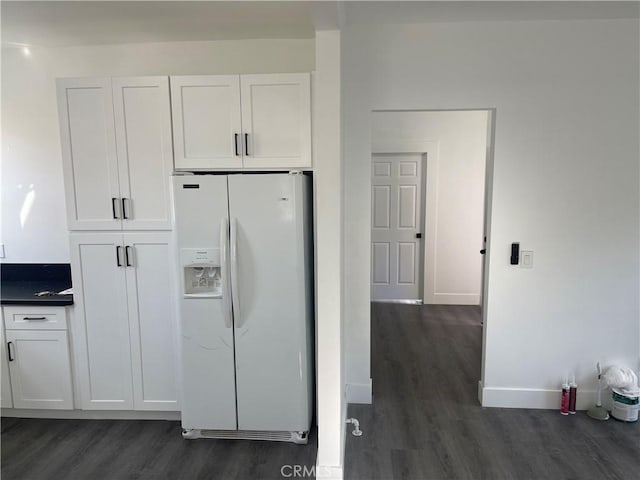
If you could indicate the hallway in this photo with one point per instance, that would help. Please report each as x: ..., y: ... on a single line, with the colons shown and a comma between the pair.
x: 426, y: 421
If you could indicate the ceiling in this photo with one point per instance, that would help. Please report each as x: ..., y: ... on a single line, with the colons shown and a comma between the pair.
x: 67, y: 23
x: 58, y: 24
x: 478, y: 11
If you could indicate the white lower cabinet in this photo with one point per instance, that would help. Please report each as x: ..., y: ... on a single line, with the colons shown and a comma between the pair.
x: 6, y: 400
x: 36, y: 365
x: 125, y: 322
x: 39, y: 368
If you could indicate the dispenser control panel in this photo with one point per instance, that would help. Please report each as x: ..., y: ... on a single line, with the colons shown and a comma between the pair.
x: 202, y: 272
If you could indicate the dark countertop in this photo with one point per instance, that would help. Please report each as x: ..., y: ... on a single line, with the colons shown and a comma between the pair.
x: 20, y: 281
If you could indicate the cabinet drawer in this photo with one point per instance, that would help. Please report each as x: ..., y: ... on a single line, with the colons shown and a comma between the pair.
x: 35, y: 318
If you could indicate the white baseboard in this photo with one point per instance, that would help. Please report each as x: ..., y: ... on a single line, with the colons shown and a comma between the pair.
x: 531, y: 398
x: 453, y: 299
x: 90, y: 414
x: 359, y: 393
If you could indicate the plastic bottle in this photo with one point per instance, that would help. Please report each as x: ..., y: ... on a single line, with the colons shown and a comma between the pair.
x: 573, y: 392
x: 564, y: 405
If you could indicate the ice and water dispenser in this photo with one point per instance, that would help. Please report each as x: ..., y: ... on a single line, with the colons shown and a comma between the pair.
x: 202, y: 274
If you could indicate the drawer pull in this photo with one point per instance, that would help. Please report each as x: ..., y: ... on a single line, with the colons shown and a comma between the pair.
x: 9, y: 344
x: 34, y: 318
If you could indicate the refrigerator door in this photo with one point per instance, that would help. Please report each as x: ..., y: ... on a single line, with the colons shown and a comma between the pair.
x: 272, y: 303
x: 208, y: 381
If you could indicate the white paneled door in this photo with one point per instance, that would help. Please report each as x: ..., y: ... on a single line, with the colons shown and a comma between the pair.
x: 396, y: 227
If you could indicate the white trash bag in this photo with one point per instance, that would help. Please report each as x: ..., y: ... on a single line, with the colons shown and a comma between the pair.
x: 622, y: 379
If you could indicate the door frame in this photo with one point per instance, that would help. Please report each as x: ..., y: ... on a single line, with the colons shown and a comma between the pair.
x: 430, y: 149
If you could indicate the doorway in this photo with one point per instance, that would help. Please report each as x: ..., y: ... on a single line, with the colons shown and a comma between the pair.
x: 428, y: 190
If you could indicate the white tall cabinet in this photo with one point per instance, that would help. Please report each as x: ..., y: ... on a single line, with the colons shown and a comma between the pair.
x: 251, y: 122
x: 118, y: 158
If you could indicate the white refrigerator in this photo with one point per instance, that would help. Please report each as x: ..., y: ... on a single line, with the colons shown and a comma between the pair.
x: 245, y: 255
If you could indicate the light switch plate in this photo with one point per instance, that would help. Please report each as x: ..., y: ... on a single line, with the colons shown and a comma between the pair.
x: 1, y: 250
x: 526, y: 258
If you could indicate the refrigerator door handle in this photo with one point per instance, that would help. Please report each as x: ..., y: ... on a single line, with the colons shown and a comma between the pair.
x: 226, y: 291
x: 234, y: 272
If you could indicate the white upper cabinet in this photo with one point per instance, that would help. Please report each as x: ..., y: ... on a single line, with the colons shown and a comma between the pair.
x: 88, y: 142
x: 276, y: 120
x: 206, y: 121
x: 116, y: 148
x: 242, y: 121
x: 145, y: 153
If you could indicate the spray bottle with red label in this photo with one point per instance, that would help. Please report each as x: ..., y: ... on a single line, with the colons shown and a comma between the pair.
x: 564, y: 405
x: 573, y: 392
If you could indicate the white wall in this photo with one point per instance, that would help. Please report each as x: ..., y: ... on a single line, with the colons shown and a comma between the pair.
x: 329, y: 258
x: 566, y: 185
x: 455, y: 143
x: 31, y: 158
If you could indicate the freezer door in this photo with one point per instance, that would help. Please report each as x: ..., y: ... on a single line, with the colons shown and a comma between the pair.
x: 271, y: 301
x: 208, y: 382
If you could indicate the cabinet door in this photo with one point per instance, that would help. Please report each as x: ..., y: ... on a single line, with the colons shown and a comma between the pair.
x: 276, y: 119
x: 152, y: 321
x: 206, y: 122
x: 5, y: 393
x: 101, y: 321
x: 40, y: 369
x: 145, y: 154
x: 89, y: 157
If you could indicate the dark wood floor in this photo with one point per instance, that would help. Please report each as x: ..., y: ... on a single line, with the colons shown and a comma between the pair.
x: 426, y: 423
x: 141, y: 450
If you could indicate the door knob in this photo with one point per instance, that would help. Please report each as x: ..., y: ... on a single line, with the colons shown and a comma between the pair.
x: 483, y: 251
x: 418, y: 235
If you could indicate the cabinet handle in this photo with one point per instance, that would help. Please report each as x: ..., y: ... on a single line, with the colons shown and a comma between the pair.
x: 246, y: 144
x: 11, y: 357
x: 235, y: 143
x: 113, y: 207
x: 34, y: 318
x: 127, y: 260
x: 118, y: 247
x: 124, y: 210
